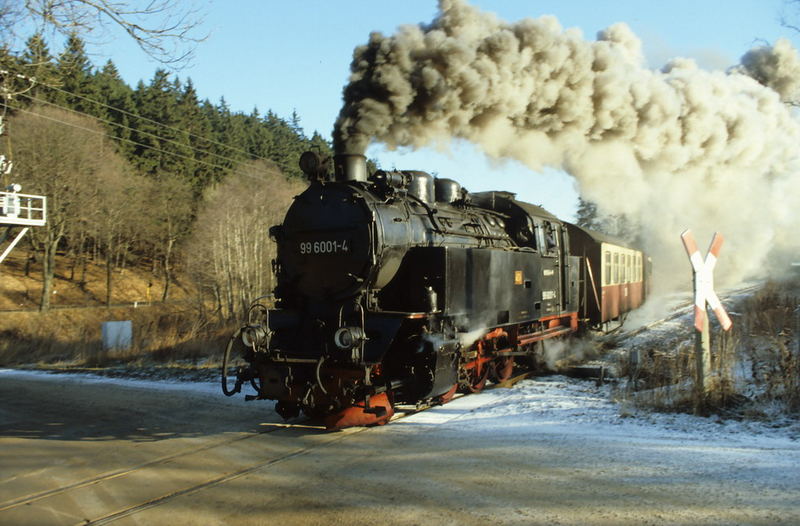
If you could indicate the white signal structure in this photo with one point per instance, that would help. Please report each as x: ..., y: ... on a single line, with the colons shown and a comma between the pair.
x: 19, y: 210
x: 704, y: 280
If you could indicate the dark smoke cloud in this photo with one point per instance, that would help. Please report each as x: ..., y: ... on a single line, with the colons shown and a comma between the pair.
x: 675, y: 148
x: 777, y: 67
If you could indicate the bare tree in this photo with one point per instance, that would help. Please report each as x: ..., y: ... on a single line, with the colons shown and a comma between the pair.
x: 10, y: 16
x: 118, y: 217
x: 61, y: 155
x: 166, y: 30
x: 167, y: 212
x: 230, y: 249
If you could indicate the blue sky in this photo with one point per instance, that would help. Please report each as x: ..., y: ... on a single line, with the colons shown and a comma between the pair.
x: 289, y: 56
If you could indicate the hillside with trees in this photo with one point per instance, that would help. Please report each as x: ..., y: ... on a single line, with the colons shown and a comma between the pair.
x: 149, y: 176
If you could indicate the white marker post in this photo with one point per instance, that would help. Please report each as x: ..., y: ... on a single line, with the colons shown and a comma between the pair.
x: 704, y: 293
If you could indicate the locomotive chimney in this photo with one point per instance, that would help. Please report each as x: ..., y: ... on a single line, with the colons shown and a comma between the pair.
x: 350, y: 167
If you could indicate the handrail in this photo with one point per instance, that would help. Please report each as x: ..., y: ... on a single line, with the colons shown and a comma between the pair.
x: 22, y: 209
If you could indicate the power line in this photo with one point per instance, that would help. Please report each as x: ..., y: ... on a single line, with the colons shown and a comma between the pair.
x: 125, y: 112
x: 146, y: 119
x: 140, y: 132
x: 238, y: 172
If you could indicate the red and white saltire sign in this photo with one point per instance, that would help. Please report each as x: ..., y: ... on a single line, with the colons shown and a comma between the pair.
x: 704, y: 280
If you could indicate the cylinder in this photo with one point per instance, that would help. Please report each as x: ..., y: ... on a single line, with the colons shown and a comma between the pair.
x: 447, y: 190
x: 350, y: 167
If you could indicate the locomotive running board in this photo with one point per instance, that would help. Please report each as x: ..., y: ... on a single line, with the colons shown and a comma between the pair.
x: 553, y: 332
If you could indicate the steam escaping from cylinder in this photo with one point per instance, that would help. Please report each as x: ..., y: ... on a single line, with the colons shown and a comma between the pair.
x: 672, y: 148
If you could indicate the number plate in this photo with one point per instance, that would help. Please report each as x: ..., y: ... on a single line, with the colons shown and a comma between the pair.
x: 332, y: 246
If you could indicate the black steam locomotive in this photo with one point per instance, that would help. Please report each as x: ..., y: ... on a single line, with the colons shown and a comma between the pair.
x: 402, y: 288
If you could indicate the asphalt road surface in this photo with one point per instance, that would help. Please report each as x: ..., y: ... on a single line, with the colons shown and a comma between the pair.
x: 84, y: 452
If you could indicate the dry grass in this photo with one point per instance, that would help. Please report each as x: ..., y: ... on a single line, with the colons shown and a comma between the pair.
x: 770, y: 344
x: 70, y: 336
x: 74, y: 338
x: 73, y: 287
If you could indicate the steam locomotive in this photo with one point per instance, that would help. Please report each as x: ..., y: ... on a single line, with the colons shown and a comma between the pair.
x: 402, y: 288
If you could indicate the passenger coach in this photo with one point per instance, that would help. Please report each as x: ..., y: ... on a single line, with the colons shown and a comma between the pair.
x: 615, y: 276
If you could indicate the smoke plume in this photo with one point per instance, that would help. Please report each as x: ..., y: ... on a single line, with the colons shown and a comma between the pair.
x: 672, y: 148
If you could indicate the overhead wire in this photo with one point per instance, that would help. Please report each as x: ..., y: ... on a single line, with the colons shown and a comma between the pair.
x: 125, y: 112
x: 159, y: 150
x: 82, y: 97
x: 142, y: 132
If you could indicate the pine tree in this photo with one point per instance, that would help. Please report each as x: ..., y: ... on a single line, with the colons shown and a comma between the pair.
x: 159, y: 150
x: 295, y: 125
x: 75, y: 73
x: 118, y: 99
x: 229, y: 129
x: 586, y: 215
x: 199, y: 168
x: 37, y: 64
x: 10, y: 84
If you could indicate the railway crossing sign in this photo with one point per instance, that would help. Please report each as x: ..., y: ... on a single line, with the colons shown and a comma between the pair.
x: 704, y: 280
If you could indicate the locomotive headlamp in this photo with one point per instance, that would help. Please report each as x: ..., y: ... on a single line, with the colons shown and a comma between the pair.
x: 255, y: 335
x: 310, y: 162
x: 314, y: 165
x: 349, y: 337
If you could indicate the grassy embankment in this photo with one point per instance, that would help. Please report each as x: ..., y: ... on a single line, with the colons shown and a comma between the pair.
x: 165, y: 335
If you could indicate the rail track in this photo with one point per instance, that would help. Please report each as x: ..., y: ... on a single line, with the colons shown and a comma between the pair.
x: 227, y: 476
x: 683, y: 309
x: 29, y: 499
x: 316, y: 435
x: 215, y: 481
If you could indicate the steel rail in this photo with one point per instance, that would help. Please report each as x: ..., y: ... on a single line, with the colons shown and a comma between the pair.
x: 110, y: 475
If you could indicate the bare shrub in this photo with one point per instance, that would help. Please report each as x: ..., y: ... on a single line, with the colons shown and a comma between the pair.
x: 769, y: 345
x: 754, y: 366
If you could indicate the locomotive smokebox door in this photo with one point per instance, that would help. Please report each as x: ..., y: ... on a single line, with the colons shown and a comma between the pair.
x: 326, y: 247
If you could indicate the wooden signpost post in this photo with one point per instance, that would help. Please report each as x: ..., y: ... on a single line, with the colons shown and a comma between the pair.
x: 704, y: 293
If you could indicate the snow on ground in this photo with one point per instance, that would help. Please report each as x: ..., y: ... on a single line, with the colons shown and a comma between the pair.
x: 571, y: 422
x: 549, y: 405
x: 561, y: 405
x: 87, y: 378
x: 569, y: 415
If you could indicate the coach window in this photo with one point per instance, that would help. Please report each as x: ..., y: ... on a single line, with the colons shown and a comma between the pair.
x: 638, y: 267
x: 607, y: 268
x: 627, y: 268
x: 615, y: 275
